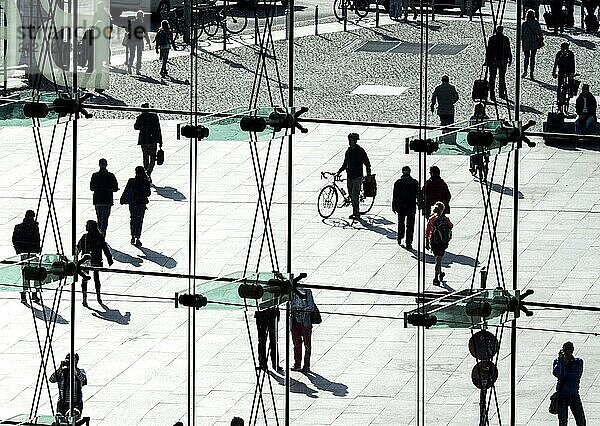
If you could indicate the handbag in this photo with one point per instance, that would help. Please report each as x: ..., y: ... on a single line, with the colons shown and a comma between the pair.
x: 127, y: 195
x: 315, y: 316
x: 125, y: 41
x: 481, y: 87
x: 160, y: 157
x: 370, y: 186
x: 553, y: 408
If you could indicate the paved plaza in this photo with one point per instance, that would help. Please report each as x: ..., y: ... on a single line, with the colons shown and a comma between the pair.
x: 364, y: 369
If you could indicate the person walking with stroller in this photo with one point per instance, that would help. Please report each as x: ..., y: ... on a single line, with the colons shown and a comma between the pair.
x: 93, y: 243
x: 404, y: 203
x: 437, y: 236
x: 354, y: 159
x: 136, y: 194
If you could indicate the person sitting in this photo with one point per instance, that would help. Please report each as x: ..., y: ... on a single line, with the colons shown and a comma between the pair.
x: 585, y: 106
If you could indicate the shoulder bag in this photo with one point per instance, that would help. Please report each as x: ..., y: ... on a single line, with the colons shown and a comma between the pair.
x: 127, y: 195
x: 315, y: 316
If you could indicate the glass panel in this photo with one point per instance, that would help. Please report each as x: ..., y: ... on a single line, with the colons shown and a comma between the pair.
x: 470, y: 308
x: 455, y: 142
x: 11, y: 276
x: 222, y: 292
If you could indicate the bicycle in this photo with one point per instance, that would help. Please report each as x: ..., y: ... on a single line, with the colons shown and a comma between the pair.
x: 235, y: 20
x: 567, y: 88
x: 360, y: 8
x: 176, y: 20
x: 328, y: 198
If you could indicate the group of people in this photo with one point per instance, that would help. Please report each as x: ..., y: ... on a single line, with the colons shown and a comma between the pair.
x: 103, y: 184
x: 134, y: 39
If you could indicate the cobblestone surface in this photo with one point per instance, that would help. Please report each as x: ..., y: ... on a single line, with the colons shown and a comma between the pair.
x: 328, y: 68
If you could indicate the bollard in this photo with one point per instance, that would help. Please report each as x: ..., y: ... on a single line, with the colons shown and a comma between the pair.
x: 317, y: 20
x: 256, y: 30
x: 287, y: 24
x: 483, y: 275
x: 376, y: 14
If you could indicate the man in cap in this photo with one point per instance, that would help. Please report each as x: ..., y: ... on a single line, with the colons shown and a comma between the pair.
x: 404, y: 203
x: 103, y: 183
x: 150, y: 136
x: 568, y: 371
x: 26, y: 241
x: 354, y: 159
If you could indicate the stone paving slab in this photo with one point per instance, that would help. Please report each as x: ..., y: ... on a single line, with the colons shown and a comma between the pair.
x: 135, y: 352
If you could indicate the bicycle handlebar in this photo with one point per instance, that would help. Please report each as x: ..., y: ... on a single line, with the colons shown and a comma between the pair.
x: 336, y: 177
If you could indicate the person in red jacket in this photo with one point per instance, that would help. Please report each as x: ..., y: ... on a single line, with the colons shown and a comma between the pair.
x: 435, y: 189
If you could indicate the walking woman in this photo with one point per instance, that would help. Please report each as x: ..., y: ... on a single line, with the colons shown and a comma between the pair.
x: 164, y: 41
x: 302, y: 305
x: 533, y: 39
x: 92, y: 243
x: 136, y: 194
x: 438, y: 234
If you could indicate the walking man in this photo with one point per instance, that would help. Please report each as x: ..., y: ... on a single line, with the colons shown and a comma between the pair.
x: 354, y: 159
x: 404, y: 203
x: 266, y: 325
x: 568, y: 371
x: 137, y: 34
x: 62, y: 377
x: 498, y: 57
x: 446, y: 96
x: 26, y: 241
x: 103, y: 183
x: 435, y: 189
x: 150, y: 136
x: 585, y: 106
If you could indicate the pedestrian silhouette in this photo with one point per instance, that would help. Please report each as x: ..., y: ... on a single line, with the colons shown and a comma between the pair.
x: 103, y: 183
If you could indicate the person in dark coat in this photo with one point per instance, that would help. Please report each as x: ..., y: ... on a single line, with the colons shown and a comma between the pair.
x: 354, y: 159
x: 266, y: 325
x: 404, y: 203
x: 103, y: 183
x: 150, y: 136
x: 568, y: 371
x: 435, y: 189
x: 498, y: 57
x: 532, y: 39
x: 93, y: 243
x: 434, y: 242
x: 26, y: 241
x: 135, y: 45
x: 585, y: 106
x: 136, y: 194
x: 558, y: 16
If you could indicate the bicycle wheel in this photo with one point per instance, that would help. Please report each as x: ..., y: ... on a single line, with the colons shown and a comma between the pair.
x: 210, y: 23
x: 361, y: 8
x: 236, y: 20
x: 365, y: 204
x: 327, y: 201
x: 338, y: 8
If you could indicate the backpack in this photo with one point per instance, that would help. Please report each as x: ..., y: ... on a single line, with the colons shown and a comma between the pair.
x: 442, y: 234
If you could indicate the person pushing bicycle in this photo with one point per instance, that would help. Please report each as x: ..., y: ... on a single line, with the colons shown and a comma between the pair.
x: 354, y: 159
x: 563, y: 70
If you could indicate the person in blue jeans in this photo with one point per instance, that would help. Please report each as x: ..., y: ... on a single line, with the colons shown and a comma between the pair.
x: 568, y: 370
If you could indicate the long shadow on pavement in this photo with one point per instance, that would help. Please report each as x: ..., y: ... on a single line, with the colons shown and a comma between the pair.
x: 47, y: 314
x: 169, y: 192
x: 337, y: 389
x: 121, y: 257
x: 449, y: 258
x: 112, y: 315
x: 158, y: 258
x: 496, y: 187
x: 295, y: 385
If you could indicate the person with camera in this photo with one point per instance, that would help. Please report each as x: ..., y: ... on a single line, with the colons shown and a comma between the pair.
x: 563, y: 69
x: 62, y: 377
x: 568, y: 371
x: 354, y: 159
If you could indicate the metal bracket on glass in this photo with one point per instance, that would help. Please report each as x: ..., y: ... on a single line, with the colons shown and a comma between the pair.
x: 63, y: 105
x: 41, y: 269
x: 469, y: 309
x: 277, y: 120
